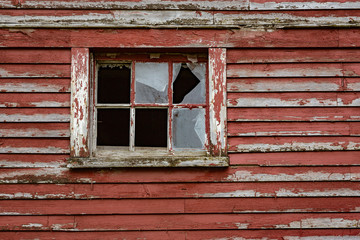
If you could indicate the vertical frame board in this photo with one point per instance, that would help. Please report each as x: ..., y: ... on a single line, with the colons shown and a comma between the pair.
x: 79, y: 120
x: 217, y: 101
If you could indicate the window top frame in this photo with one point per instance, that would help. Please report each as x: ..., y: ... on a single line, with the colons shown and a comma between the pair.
x: 81, y: 148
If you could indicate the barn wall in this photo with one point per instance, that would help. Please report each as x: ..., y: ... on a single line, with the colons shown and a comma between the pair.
x: 293, y: 132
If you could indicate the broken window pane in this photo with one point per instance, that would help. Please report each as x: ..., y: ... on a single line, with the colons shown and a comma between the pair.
x: 189, y: 83
x: 151, y: 82
x: 113, y: 127
x: 114, y: 84
x: 151, y: 127
x: 189, y: 128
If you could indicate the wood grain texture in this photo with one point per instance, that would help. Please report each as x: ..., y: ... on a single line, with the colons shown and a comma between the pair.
x: 176, y: 206
x: 333, y: 234
x: 280, y: 189
x: 34, y: 130
x: 33, y: 56
x: 293, y: 114
x: 288, y: 144
x: 35, y: 100
x: 182, y: 221
x: 297, y: 99
x: 34, y: 85
x: 29, y: 146
x: 196, y: 175
x: 339, y: 158
x: 293, y: 129
x: 33, y: 160
x: 35, y: 115
x: 191, y: 18
x: 115, y: 38
x: 34, y: 71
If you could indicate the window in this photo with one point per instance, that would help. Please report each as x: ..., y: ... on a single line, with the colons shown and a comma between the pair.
x: 148, y: 109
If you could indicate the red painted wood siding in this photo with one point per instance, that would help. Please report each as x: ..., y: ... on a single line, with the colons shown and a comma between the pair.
x: 293, y: 125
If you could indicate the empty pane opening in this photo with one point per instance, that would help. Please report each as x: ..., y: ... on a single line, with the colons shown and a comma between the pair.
x: 114, y: 84
x: 151, y: 127
x: 113, y: 127
x: 184, y: 83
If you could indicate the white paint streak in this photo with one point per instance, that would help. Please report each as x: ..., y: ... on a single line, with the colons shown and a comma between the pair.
x: 32, y: 225
x: 31, y: 87
x: 321, y: 223
x: 20, y: 164
x: 322, y: 238
x: 304, y: 5
x: 35, y: 118
x: 306, y: 176
x: 277, y: 102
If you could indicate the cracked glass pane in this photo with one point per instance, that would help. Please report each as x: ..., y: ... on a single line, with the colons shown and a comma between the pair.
x: 188, y: 128
x: 151, y: 82
x: 189, y: 83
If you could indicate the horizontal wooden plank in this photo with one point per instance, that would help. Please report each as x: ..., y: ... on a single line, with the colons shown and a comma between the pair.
x: 34, y: 55
x: 35, y: 115
x: 34, y: 130
x: 169, y: 18
x: 293, y: 129
x: 289, y: 85
x: 298, y: 99
x: 295, y: 159
x: 294, y: 114
x: 35, y: 100
x: 27, y: 145
x: 34, y: 71
x: 33, y: 160
x: 286, y: 19
x: 130, y: 4
x: 171, y: 175
x: 190, y: 38
x: 313, y: 234
x: 291, y: 55
x: 104, y: 19
x: 173, y: 206
x: 286, y: 144
x: 302, y: 5
x: 34, y: 85
x: 184, y: 190
x: 294, y: 70
x: 182, y: 221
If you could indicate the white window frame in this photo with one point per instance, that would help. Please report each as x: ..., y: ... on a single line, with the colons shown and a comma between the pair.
x: 81, y: 149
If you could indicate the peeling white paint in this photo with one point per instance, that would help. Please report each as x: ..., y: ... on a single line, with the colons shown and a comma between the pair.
x: 342, y: 192
x: 32, y: 225
x: 34, y: 118
x: 237, y: 193
x: 44, y: 150
x: 306, y: 176
x: 321, y: 223
x: 301, y: 5
x: 242, y: 225
x: 322, y: 238
x: 20, y: 164
x: 12, y: 177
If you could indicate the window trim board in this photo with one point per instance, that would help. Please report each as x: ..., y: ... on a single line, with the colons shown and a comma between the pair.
x: 80, y: 143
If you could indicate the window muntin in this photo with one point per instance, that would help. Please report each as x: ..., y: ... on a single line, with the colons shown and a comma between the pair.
x: 152, y: 87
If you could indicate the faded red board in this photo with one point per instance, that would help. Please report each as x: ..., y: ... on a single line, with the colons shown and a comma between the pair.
x: 280, y: 144
x: 158, y: 206
x: 35, y: 115
x: 297, y: 99
x: 176, y: 38
x: 296, y: 159
x: 34, y: 55
x: 292, y: 55
x: 293, y: 129
x: 294, y: 114
x: 182, y: 221
x: 34, y: 71
x: 34, y: 145
x: 35, y: 100
x: 136, y: 175
x: 34, y: 85
x: 35, y: 130
x: 184, y: 190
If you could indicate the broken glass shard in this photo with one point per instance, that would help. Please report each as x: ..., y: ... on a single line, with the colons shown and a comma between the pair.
x: 189, y: 83
x: 151, y: 82
x: 188, y: 128
x: 114, y: 83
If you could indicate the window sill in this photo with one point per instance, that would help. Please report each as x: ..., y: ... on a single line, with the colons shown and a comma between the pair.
x: 148, y: 162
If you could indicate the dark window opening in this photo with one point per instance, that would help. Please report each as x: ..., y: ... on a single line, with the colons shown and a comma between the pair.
x: 114, y: 84
x: 183, y: 84
x: 151, y: 127
x: 113, y: 127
